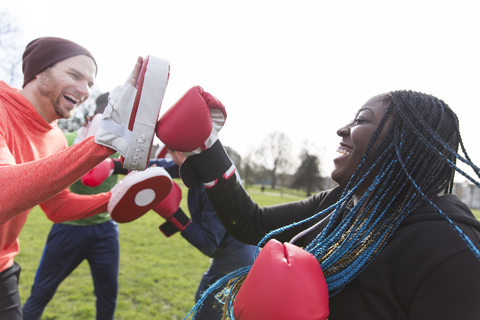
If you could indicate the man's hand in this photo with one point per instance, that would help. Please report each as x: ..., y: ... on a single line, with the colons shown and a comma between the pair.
x: 136, y: 72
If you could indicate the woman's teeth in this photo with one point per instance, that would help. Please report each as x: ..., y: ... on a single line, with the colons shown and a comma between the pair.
x: 343, y: 151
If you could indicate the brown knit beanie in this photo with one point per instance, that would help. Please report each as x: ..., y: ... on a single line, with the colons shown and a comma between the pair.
x: 44, y: 52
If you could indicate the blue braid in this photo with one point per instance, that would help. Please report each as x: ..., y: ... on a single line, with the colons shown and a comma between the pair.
x: 438, y: 139
x: 220, y: 283
x: 452, y: 224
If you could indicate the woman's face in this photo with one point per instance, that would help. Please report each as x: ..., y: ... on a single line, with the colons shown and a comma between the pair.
x: 356, y: 137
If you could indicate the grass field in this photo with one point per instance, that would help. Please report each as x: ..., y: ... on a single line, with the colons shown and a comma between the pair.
x: 158, y: 276
x: 476, y: 213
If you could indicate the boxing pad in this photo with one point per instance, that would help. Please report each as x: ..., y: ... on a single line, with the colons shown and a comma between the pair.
x: 284, y: 283
x: 169, y: 209
x: 129, y: 120
x: 137, y: 193
x: 161, y: 153
x: 97, y: 175
x: 191, y: 126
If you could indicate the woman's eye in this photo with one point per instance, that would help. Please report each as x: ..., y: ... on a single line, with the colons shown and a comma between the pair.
x: 358, y: 121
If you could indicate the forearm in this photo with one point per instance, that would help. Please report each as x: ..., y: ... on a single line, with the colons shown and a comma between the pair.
x: 247, y: 222
x: 202, y: 239
x: 29, y: 184
x: 67, y: 206
x: 205, y: 232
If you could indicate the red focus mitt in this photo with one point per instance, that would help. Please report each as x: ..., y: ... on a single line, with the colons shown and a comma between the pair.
x: 284, y: 283
x: 169, y: 209
x: 137, y: 193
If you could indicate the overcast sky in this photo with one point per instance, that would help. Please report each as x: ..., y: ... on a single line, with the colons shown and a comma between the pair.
x: 299, y: 67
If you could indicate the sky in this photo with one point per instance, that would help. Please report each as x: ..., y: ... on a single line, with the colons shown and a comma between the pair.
x: 299, y: 67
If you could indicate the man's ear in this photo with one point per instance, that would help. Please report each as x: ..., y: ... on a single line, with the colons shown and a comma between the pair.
x: 38, y: 76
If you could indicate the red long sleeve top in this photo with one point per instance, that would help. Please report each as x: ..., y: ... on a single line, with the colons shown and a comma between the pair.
x: 36, y: 168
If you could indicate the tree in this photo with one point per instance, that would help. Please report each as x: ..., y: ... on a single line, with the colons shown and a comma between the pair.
x: 308, y: 174
x: 10, y: 55
x: 276, y: 154
x: 250, y: 171
x: 246, y: 170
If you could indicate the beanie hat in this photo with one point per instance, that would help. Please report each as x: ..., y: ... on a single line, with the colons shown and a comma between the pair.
x: 101, y: 102
x: 44, y: 52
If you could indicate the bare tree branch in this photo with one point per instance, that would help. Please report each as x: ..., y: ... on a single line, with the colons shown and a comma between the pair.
x: 10, y: 52
x: 276, y: 154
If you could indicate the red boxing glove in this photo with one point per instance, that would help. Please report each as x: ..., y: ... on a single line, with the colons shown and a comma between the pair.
x: 97, y: 175
x: 192, y: 124
x: 169, y: 209
x: 285, y: 283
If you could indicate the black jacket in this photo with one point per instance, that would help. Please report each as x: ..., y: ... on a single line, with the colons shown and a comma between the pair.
x: 426, y: 271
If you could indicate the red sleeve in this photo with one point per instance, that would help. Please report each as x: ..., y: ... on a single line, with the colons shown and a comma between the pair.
x: 29, y: 184
x: 67, y: 206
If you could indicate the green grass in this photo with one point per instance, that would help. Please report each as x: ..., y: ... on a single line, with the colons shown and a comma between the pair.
x: 476, y: 212
x: 158, y: 276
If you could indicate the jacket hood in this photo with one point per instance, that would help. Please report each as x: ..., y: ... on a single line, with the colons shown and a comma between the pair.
x: 450, y: 205
x: 22, y: 107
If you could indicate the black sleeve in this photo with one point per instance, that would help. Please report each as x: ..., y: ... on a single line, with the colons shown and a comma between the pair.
x: 249, y: 223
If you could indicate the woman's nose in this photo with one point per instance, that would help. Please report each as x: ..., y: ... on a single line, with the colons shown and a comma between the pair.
x: 343, y: 131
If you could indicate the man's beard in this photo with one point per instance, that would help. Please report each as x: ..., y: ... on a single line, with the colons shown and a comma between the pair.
x: 62, y: 113
x: 47, y: 88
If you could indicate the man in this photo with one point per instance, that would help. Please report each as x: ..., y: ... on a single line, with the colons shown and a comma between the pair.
x: 205, y: 232
x: 94, y: 239
x: 58, y: 76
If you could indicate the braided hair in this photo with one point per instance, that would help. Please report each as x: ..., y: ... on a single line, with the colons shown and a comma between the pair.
x: 415, y: 162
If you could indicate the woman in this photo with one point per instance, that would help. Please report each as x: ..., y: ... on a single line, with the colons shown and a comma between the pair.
x: 391, y: 247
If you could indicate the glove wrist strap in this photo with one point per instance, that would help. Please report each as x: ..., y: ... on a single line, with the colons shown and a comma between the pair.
x: 118, y: 168
x: 178, y: 222
x: 205, y: 167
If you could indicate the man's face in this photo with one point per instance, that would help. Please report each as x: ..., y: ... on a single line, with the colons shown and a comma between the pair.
x: 177, y: 157
x: 65, y: 86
